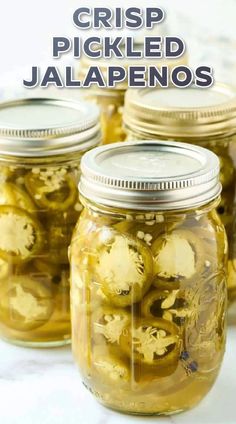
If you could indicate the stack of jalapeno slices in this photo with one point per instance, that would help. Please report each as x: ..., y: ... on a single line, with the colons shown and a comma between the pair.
x: 141, y: 282
x: 38, y: 210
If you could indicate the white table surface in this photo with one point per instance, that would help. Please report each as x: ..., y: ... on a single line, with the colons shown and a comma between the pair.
x: 43, y: 387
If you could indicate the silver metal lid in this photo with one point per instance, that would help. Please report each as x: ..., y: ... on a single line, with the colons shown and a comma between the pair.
x: 38, y: 127
x: 181, y: 114
x: 150, y: 175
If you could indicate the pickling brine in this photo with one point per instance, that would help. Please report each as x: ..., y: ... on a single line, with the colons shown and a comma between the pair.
x: 148, y: 282
x: 38, y: 210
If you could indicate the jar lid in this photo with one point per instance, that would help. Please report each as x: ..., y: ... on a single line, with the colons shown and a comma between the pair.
x: 181, y: 113
x: 150, y: 175
x: 38, y: 127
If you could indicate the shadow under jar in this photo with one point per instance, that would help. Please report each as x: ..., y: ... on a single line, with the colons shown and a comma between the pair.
x: 41, y: 144
x: 148, y: 276
x: 203, y: 117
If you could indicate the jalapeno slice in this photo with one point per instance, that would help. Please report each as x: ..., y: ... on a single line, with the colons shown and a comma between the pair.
x: 166, y: 304
x: 178, y: 255
x: 25, y: 303
x: 21, y: 235
x: 152, y: 342
x: 109, y: 323
x: 110, y: 366
x: 123, y: 267
x: 51, y: 188
x: 12, y: 195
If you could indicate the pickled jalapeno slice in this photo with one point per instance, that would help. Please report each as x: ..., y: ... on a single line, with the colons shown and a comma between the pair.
x: 12, y: 195
x: 52, y: 188
x: 25, y: 303
x: 21, y: 235
x: 123, y: 266
x: 178, y: 255
x: 110, y: 366
x: 166, y: 304
x: 110, y: 322
x: 153, y: 342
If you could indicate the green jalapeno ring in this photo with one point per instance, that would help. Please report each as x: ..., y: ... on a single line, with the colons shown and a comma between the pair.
x: 25, y: 303
x: 52, y: 199
x: 129, y: 342
x: 30, y: 229
x: 109, y: 323
x: 110, y: 365
x: 123, y: 267
x: 12, y: 195
x: 194, y: 248
x: 167, y: 304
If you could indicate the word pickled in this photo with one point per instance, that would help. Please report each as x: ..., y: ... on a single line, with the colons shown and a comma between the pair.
x: 103, y: 17
x: 120, y: 47
x: 137, y: 76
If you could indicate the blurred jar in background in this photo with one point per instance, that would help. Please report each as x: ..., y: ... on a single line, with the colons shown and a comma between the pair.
x: 41, y: 144
x: 111, y: 100
x: 203, y: 117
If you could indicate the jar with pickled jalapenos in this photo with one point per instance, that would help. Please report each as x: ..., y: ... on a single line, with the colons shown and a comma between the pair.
x: 148, y: 275
x: 41, y: 144
x: 203, y: 117
x: 111, y: 100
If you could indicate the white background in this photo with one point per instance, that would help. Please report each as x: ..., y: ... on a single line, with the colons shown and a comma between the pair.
x: 27, y: 27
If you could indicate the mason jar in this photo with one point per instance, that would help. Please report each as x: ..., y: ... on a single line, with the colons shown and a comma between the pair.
x: 148, y: 274
x: 203, y: 117
x: 41, y: 144
x: 111, y: 100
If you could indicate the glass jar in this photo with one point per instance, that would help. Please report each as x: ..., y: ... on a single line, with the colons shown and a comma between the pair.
x: 41, y: 144
x: 203, y: 117
x: 111, y: 100
x: 148, y: 276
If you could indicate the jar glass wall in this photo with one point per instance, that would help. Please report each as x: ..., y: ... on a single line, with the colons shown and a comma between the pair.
x: 157, y: 346
x: 148, y: 276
